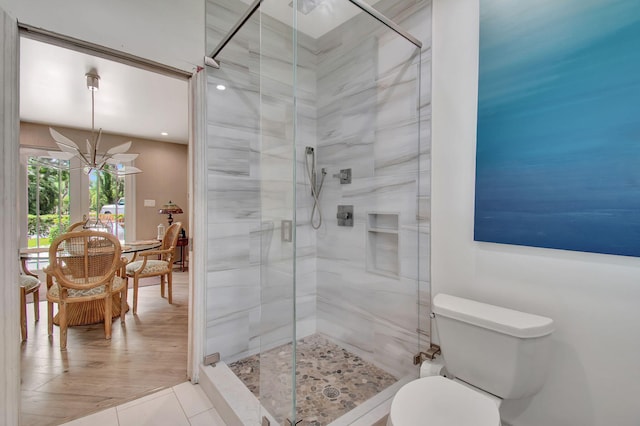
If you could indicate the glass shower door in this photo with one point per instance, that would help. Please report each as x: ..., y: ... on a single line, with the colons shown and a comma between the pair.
x: 318, y: 193
x: 277, y: 199
x: 362, y: 233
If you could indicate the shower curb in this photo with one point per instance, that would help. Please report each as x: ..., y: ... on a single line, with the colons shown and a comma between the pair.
x: 239, y: 407
x: 230, y: 397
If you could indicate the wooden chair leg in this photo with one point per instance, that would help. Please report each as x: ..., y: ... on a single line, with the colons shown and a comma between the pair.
x: 36, y: 304
x: 49, y: 318
x: 169, y: 285
x: 135, y: 295
x: 123, y: 302
x: 62, y: 316
x: 161, y: 285
x: 108, y: 309
x: 23, y: 313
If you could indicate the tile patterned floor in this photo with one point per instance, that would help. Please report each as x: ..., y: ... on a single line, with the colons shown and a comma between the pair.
x: 181, y: 405
x: 330, y: 380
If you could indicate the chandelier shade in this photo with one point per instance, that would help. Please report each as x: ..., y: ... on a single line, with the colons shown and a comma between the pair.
x: 92, y: 159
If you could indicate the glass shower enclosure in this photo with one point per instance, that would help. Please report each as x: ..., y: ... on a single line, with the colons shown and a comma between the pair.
x: 318, y: 136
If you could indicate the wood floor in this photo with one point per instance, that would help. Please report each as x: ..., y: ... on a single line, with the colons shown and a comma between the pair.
x: 148, y: 354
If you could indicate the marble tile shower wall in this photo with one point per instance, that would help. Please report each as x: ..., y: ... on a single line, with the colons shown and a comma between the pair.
x: 357, y: 97
x: 250, y: 184
x: 368, y: 121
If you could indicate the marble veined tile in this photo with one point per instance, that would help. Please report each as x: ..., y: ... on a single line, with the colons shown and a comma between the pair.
x: 358, y: 105
x: 235, y: 107
x: 395, y: 348
x: 397, y: 102
x: 414, y: 250
x: 228, y: 245
x: 232, y: 197
x: 396, y: 150
x: 228, y: 335
x: 233, y: 299
x: 395, y: 54
x: 232, y: 162
x: 343, y: 243
x: 230, y: 277
x: 220, y: 16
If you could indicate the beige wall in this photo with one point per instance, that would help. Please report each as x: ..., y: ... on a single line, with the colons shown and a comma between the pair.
x: 163, y: 177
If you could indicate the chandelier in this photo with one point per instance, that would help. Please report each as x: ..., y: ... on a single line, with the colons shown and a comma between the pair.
x: 109, y: 161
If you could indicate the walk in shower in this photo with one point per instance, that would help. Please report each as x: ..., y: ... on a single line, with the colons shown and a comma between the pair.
x: 318, y: 109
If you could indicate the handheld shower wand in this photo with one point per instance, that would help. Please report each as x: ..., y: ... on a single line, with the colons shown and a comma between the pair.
x: 316, y: 219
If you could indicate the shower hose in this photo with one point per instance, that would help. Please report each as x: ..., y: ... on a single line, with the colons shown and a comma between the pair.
x: 316, y: 215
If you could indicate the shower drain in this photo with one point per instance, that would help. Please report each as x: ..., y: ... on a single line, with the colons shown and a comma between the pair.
x: 331, y: 392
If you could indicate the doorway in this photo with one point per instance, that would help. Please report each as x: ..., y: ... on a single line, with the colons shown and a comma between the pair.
x: 151, y: 350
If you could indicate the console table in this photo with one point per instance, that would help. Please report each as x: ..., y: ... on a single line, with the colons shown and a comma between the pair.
x: 182, y: 243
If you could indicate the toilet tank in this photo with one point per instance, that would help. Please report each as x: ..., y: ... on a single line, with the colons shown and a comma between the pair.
x: 499, y: 350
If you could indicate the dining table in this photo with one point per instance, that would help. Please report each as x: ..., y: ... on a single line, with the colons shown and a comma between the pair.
x: 91, y: 312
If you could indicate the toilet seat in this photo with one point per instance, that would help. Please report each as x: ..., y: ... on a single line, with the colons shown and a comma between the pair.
x: 438, y: 401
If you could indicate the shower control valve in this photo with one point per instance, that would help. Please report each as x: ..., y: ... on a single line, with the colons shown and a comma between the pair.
x: 344, y: 176
x: 345, y: 216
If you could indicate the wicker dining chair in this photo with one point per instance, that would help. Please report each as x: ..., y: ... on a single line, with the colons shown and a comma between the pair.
x: 162, y: 267
x: 76, y: 226
x: 82, y: 268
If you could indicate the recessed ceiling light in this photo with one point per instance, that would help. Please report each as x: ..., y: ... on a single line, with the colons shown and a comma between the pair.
x: 221, y: 87
x: 164, y: 134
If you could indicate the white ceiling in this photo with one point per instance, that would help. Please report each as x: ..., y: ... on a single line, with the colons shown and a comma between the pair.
x: 131, y: 101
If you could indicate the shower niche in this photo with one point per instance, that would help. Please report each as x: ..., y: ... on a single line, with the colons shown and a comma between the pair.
x: 382, y: 244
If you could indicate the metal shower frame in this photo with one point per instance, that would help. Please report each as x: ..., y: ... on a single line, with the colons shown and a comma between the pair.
x: 211, y: 59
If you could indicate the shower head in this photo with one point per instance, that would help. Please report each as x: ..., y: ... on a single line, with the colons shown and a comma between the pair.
x: 308, y: 150
x: 307, y: 6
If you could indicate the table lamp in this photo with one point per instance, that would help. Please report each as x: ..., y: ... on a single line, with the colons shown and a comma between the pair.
x: 170, y: 208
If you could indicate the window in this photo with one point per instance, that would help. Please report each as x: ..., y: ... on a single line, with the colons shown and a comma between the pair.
x: 107, y: 201
x: 48, y: 199
x: 48, y: 196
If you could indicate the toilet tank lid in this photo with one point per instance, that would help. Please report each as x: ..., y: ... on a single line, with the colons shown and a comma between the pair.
x: 497, y: 318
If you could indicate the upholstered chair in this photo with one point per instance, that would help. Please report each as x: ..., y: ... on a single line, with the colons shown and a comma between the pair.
x: 150, y: 266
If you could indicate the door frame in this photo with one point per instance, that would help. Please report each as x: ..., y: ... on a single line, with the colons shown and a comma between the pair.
x: 9, y: 270
x: 11, y: 31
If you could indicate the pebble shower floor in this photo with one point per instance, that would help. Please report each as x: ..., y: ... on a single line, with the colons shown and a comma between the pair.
x: 330, y: 380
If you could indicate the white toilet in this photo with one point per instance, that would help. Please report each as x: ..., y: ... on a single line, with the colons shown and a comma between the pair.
x: 493, y: 353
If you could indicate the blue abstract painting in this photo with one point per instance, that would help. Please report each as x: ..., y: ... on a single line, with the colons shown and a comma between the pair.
x: 558, y: 138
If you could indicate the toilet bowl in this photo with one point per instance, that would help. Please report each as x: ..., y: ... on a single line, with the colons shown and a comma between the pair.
x: 438, y: 401
x: 495, y: 353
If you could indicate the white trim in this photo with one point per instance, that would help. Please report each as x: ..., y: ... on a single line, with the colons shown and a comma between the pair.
x: 23, y: 202
x: 130, y: 206
x: 197, y: 221
x: 9, y: 262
